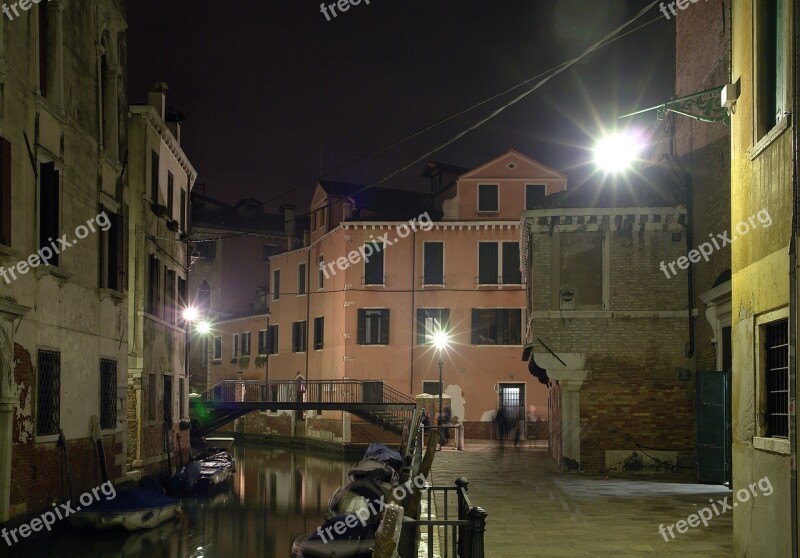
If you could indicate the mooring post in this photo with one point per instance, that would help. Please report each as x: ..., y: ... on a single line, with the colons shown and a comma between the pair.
x: 462, y: 486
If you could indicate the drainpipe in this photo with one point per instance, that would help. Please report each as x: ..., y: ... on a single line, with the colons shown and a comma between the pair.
x: 793, y: 284
x: 687, y: 182
x: 413, y: 304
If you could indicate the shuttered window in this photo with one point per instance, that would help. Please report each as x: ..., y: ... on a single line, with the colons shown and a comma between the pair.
x: 488, y: 200
x: 373, y: 269
x: 272, y: 340
x: 299, y: 337
x: 429, y: 321
x: 511, y: 272
x: 373, y: 326
x: 433, y: 263
x: 488, y: 273
x: 319, y: 332
x: 154, y: 184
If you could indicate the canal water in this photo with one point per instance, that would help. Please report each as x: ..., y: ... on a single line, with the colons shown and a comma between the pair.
x: 276, y: 496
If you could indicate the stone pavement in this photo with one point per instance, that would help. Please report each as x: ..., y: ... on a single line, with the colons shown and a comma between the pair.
x: 535, y: 510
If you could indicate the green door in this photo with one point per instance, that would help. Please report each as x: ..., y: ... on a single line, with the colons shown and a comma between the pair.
x: 713, y: 427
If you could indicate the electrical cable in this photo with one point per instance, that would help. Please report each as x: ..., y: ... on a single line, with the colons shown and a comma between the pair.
x: 543, y: 76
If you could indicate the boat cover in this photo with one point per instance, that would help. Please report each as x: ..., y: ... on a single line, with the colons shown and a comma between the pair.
x: 133, y: 500
x: 385, y: 455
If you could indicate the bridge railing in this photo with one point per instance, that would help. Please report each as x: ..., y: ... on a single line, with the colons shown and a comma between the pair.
x: 313, y: 391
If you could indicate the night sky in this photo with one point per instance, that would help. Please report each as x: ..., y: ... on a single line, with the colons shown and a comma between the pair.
x: 276, y: 95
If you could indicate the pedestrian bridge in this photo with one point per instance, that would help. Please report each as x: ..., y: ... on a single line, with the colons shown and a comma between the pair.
x: 372, y: 401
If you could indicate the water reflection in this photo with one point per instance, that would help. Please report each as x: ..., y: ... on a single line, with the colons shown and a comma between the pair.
x: 276, y: 497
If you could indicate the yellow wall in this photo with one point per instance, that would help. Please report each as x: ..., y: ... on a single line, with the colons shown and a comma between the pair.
x: 760, y: 294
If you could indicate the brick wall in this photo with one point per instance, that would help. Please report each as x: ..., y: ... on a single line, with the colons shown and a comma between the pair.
x: 41, y: 473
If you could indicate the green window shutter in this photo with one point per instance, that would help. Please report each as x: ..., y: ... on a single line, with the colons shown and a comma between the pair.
x: 476, y: 314
x: 420, y: 326
x: 385, y: 327
x: 362, y: 317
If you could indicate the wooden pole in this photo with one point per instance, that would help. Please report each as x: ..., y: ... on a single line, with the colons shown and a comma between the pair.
x: 388, y: 534
x: 412, y: 504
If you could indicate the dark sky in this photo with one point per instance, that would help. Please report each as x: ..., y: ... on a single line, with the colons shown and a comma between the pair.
x: 274, y: 92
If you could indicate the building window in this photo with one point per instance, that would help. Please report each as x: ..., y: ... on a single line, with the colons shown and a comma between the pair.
x: 433, y: 263
x: 276, y: 284
x: 182, y: 303
x: 154, y: 298
x: 169, y: 296
x: 204, y: 296
x: 301, y: 279
x: 183, y: 210
x: 777, y: 379
x: 112, y: 261
x: 108, y: 394
x: 491, y: 259
x: 299, y: 337
x: 373, y: 269
x: 246, y: 344
x: 181, y: 398
x: 534, y: 196
x: 154, y: 184
x: 262, y: 342
x: 373, y: 326
x: 431, y: 388
x: 170, y: 195
x: 48, y: 393
x: 321, y: 273
x: 496, y: 326
x: 206, y: 249
x: 488, y: 198
x: 151, y: 397
x: 167, y: 400
x: 488, y: 269
x: 217, y: 348
x: 429, y: 321
x: 319, y: 332
x: 272, y: 340
x: 235, y: 353
x: 49, y: 201
x: 771, y: 64
x: 511, y: 272
x: 5, y: 192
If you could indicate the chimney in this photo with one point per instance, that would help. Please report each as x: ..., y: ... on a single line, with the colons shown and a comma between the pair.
x: 174, y: 119
x: 306, y: 237
x: 347, y: 211
x: 287, y: 211
x: 157, y: 97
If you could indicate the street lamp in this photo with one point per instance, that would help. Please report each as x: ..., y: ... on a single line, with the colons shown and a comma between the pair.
x: 617, y: 152
x: 441, y: 340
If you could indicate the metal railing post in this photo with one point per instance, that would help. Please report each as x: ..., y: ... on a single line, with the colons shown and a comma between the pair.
x: 462, y: 486
x: 475, y: 530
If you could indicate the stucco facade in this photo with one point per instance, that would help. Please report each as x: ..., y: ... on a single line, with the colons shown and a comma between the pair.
x: 761, y: 179
x: 160, y: 179
x: 364, y: 322
x: 63, y: 344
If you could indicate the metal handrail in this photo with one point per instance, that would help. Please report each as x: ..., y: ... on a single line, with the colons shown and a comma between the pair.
x: 467, y: 531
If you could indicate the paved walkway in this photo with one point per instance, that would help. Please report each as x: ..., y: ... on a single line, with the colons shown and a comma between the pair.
x: 536, y: 511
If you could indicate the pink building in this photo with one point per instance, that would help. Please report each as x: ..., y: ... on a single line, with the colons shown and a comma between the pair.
x: 386, y: 268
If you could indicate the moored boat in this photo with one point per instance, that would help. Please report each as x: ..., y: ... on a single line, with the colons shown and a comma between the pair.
x: 139, y: 508
x: 208, y: 474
